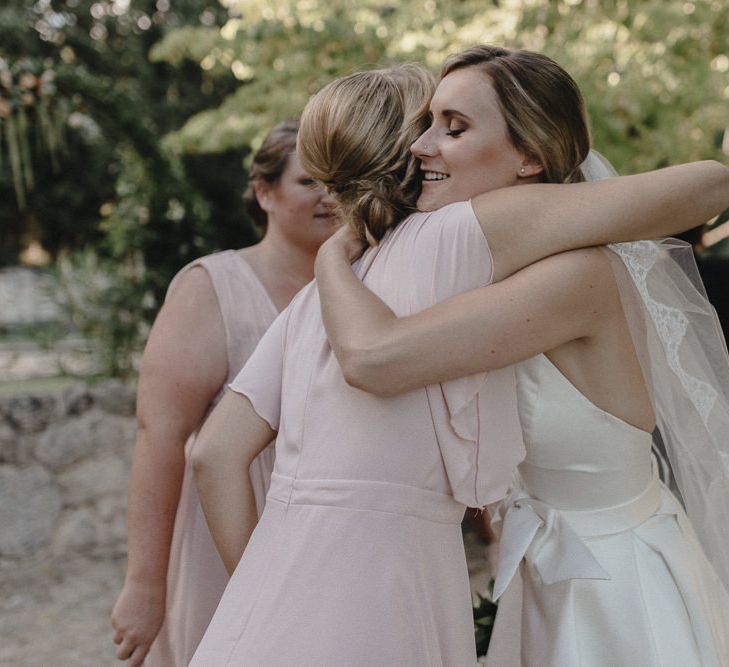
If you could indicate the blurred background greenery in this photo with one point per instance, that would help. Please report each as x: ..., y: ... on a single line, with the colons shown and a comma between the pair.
x: 125, y: 124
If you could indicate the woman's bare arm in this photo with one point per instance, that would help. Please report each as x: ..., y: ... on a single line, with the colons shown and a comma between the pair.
x: 529, y: 222
x: 554, y: 301
x: 523, y: 224
x: 231, y: 438
x: 183, y: 367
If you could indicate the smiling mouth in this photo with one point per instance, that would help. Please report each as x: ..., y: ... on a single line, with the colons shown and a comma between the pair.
x: 432, y: 176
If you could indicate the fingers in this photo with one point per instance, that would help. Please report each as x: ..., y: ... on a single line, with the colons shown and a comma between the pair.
x: 125, y: 650
x: 138, y: 656
x: 130, y: 650
x: 118, y: 636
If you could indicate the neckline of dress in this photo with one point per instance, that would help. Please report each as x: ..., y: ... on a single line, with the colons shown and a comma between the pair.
x: 261, y: 286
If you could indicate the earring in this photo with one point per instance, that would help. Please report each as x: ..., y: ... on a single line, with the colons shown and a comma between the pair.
x: 522, y: 171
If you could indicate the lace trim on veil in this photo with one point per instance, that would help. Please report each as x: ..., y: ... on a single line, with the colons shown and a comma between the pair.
x: 671, y: 323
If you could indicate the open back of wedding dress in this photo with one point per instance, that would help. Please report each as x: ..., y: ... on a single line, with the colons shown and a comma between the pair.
x: 598, y: 560
x: 599, y: 563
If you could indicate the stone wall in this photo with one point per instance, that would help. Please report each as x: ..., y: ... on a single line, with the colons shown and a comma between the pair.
x: 64, y: 469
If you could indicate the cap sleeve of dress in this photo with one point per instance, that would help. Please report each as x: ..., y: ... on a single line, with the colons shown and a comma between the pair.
x: 481, y: 438
x: 260, y: 380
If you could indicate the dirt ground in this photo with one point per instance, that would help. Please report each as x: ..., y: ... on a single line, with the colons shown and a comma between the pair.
x: 56, y: 613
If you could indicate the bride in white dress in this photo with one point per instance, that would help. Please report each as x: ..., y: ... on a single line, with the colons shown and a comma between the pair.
x: 599, y: 563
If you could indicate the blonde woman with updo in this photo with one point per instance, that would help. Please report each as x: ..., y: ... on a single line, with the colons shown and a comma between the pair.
x: 358, y: 557
x: 216, y: 310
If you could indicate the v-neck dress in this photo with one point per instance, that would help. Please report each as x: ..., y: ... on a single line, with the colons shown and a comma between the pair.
x: 358, y: 558
x: 196, y: 576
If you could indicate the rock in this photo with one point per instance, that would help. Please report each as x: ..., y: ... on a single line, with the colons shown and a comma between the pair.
x: 8, y: 443
x: 30, y: 414
x: 29, y: 506
x: 77, y: 400
x: 66, y: 442
x: 116, y: 397
x: 90, y: 480
x: 92, y: 433
x: 114, y: 434
x: 78, y: 532
x: 111, y: 507
x: 26, y: 445
x: 113, y: 537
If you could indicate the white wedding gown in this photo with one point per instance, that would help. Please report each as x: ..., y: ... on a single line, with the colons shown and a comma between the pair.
x: 598, y: 563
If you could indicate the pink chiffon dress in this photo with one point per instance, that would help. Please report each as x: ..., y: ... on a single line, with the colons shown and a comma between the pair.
x: 196, y: 576
x: 358, y: 557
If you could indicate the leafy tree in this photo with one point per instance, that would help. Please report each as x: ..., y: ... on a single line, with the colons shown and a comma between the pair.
x: 655, y: 73
x: 132, y: 117
x: 115, y: 185
x: 86, y: 111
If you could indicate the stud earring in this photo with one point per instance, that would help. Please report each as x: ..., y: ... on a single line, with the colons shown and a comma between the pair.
x: 522, y: 171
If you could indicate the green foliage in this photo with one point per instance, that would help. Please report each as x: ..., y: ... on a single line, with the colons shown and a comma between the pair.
x: 109, y: 303
x: 27, y: 90
x: 655, y: 74
x: 484, y: 617
x: 124, y: 125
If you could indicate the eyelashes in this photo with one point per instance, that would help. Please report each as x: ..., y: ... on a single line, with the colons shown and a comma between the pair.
x: 455, y: 133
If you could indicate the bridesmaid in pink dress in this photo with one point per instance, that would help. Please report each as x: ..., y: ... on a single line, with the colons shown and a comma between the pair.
x: 358, y: 558
x: 217, y: 309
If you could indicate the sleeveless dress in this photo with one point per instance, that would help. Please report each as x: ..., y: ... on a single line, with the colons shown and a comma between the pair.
x: 598, y: 564
x: 358, y: 558
x: 196, y: 576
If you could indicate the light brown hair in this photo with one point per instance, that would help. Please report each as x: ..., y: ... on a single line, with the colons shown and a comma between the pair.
x: 269, y: 163
x: 355, y: 138
x: 541, y: 103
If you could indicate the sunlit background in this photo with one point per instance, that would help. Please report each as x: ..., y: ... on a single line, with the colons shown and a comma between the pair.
x: 125, y: 127
x: 125, y: 124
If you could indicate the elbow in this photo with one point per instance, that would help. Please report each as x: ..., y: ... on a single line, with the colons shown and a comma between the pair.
x: 721, y: 186
x: 355, y: 368
x: 199, y: 466
x: 722, y: 174
x: 202, y: 459
x: 364, y: 369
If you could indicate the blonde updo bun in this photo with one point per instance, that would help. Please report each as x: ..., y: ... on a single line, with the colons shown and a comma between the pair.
x: 355, y: 138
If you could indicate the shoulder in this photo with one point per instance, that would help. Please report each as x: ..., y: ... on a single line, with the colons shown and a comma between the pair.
x: 193, y: 282
x: 306, y: 300
x: 460, y: 212
x: 211, y: 265
x: 448, y: 224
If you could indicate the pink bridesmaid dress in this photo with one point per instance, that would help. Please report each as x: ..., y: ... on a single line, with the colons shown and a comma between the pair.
x: 358, y: 557
x: 196, y: 577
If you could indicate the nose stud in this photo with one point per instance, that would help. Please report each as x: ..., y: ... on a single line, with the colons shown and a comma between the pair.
x: 426, y: 147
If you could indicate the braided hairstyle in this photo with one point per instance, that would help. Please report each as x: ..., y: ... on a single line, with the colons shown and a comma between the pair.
x: 355, y: 138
